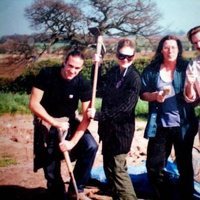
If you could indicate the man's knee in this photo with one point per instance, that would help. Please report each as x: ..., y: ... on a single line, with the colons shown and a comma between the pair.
x: 92, y: 145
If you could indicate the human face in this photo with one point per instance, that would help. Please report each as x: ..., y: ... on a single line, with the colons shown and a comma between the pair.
x: 72, y: 67
x: 170, y: 50
x: 125, y: 57
x: 196, y: 41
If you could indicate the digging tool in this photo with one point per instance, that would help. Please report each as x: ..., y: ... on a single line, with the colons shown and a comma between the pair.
x: 62, y: 136
x: 99, y: 51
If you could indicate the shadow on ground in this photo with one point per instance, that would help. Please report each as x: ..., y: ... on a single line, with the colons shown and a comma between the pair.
x: 14, y: 192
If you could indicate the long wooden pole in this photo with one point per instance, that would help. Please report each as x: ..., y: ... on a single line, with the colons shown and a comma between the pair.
x: 96, y: 69
x: 69, y: 164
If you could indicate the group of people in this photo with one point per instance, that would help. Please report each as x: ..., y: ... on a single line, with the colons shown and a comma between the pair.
x: 169, y: 83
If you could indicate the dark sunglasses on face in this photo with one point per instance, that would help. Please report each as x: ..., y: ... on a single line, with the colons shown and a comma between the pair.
x: 122, y: 56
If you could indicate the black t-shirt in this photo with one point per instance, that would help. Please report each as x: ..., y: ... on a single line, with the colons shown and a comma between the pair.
x: 61, y: 96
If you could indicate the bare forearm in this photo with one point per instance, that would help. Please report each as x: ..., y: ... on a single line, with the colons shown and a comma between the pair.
x: 40, y: 112
x: 190, y: 92
x: 67, y: 145
x: 149, y: 96
x: 80, y: 130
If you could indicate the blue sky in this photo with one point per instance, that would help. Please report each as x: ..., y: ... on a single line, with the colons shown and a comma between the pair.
x: 177, y: 15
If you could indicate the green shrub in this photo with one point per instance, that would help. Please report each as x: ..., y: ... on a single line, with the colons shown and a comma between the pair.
x: 14, y: 103
x: 5, y: 84
x: 141, y: 110
x: 23, y: 83
x: 197, y: 111
x: 141, y: 63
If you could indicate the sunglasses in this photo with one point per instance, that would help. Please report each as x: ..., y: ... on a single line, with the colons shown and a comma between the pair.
x: 122, y: 56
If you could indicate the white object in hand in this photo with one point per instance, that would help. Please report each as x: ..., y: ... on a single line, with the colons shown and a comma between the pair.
x: 166, y: 90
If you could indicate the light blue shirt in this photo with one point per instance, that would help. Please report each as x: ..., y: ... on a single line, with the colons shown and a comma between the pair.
x: 169, y: 116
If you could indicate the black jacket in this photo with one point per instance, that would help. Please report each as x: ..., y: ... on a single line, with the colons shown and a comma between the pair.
x: 117, y: 116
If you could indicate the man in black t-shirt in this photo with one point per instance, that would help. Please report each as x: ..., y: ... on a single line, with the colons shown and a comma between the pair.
x: 55, y: 96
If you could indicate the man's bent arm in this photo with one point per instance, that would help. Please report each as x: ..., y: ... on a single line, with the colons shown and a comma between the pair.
x: 36, y: 107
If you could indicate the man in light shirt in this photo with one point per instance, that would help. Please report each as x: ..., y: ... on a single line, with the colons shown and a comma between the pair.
x: 192, y: 82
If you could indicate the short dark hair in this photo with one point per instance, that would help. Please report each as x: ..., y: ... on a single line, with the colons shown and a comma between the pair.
x: 193, y: 31
x: 74, y: 52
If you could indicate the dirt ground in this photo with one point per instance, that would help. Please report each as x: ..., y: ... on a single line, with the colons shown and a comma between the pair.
x: 19, y: 182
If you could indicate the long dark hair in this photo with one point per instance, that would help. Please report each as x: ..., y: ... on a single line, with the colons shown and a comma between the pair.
x: 158, y: 57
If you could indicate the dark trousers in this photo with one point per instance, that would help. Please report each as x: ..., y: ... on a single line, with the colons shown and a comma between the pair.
x: 158, y: 151
x: 84, y: 154
x: 115, y: 168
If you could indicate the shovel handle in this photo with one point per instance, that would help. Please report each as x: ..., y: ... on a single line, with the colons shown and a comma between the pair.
x: 96, y: 69
x: 69, y: 164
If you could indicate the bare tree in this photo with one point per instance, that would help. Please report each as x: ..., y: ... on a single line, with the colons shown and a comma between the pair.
x: 58, y: 19
x: 69, y: 20
x: 19, y: 47
x: 113, y: 17
x: 123, y: 18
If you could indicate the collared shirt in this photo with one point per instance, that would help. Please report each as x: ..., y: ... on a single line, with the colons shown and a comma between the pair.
x: 194, y: 68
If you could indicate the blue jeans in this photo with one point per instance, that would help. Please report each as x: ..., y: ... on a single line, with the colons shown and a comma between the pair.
x: 158, y: 151
x: 84, y: 153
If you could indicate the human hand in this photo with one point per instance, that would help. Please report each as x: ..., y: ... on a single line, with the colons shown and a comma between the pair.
x: 91, y: 113
x: 166, y: 90
x: 61, y: 125
x: 97, y: 58
x: 160, y: 96
x: 66, y: 145
x: 191, y: 77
